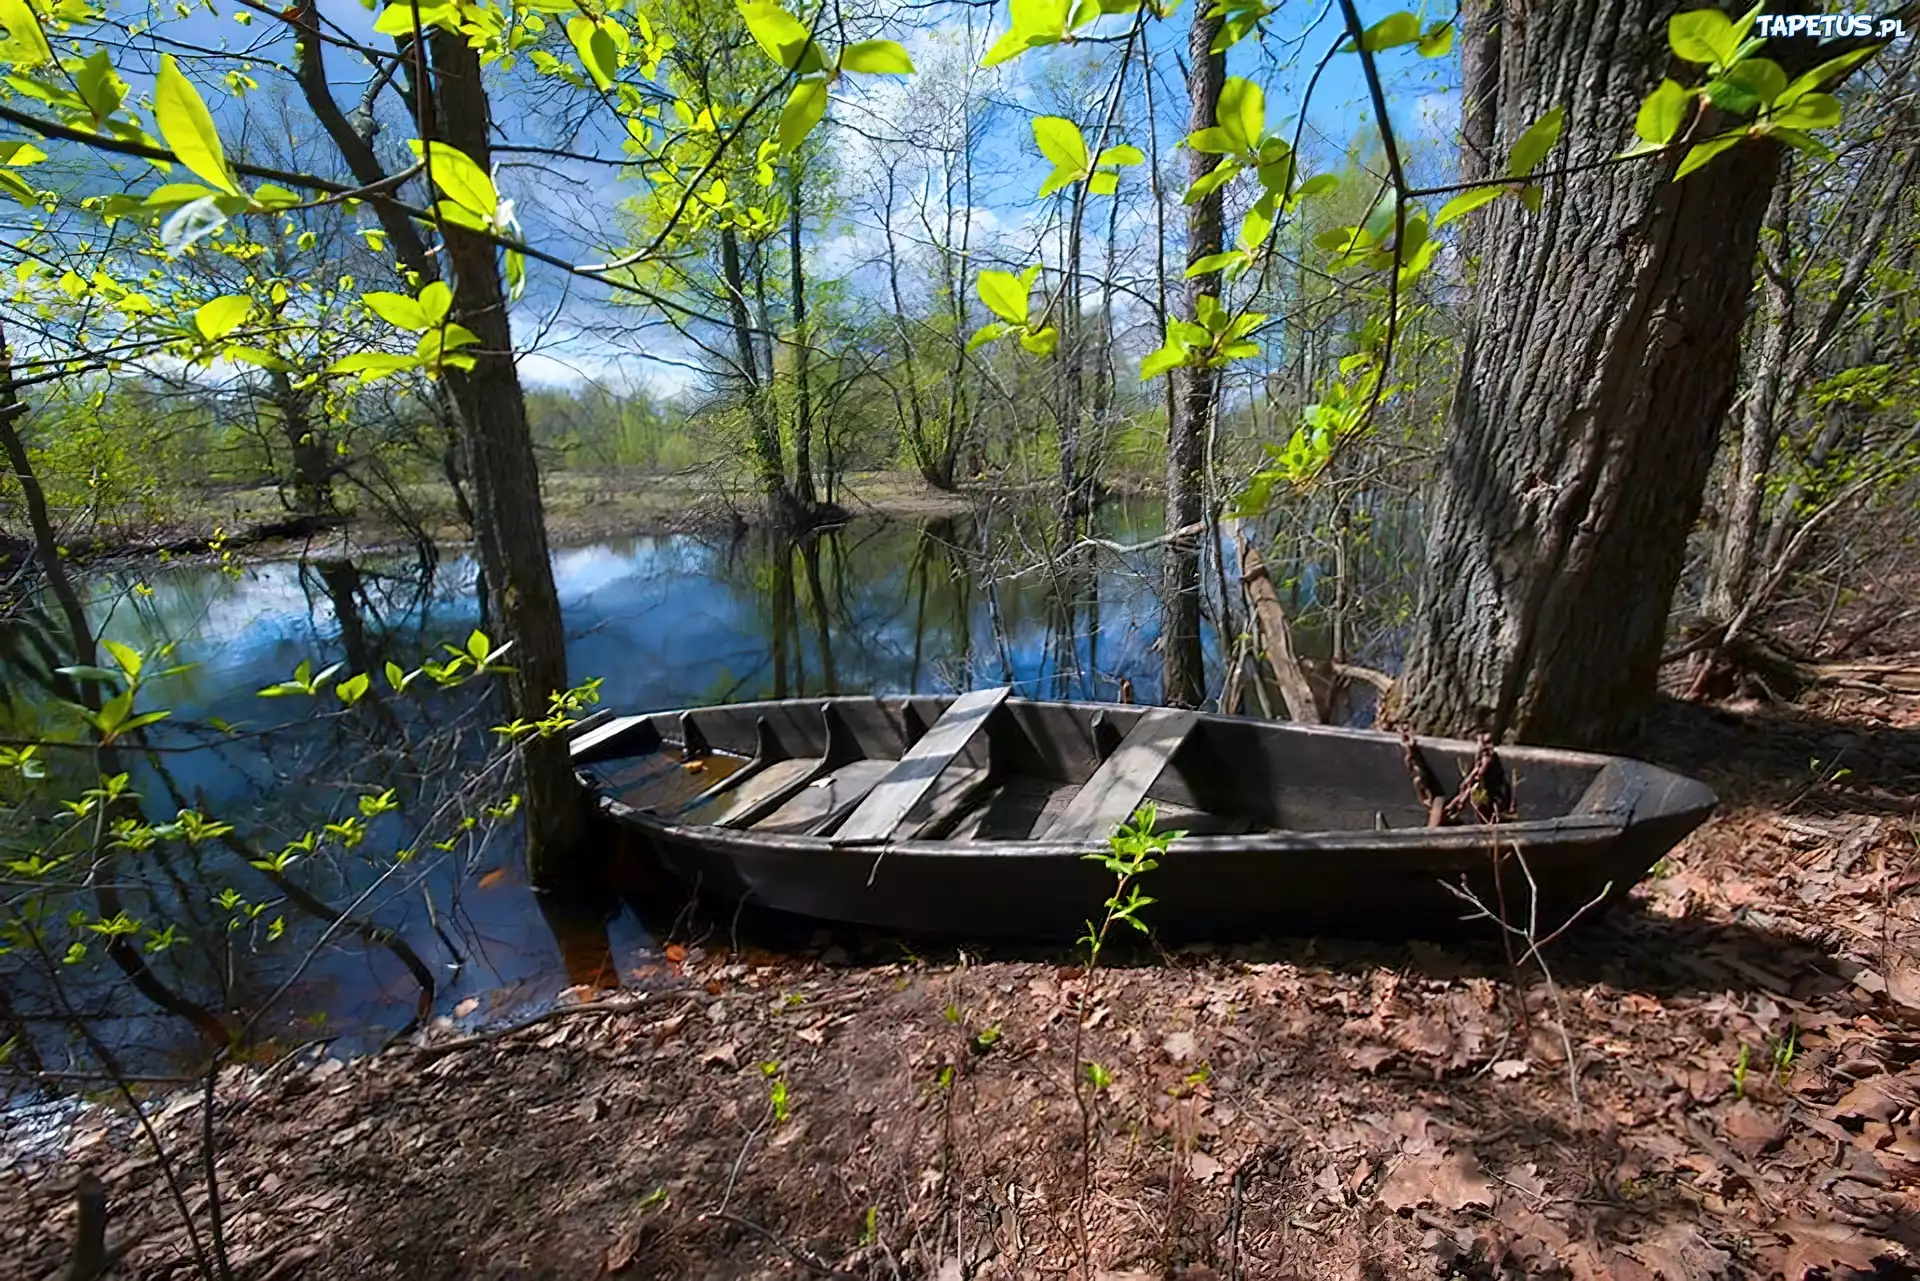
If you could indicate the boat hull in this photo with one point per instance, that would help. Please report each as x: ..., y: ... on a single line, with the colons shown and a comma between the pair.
x: 1405, y: 882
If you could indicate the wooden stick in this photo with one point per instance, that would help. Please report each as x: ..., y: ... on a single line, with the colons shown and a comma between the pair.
x: 1258, y: 584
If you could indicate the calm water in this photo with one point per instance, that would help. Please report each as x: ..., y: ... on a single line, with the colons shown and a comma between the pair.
x: 663, y: 621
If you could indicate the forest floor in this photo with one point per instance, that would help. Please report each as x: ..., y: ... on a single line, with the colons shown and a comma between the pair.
x: 1742, y: 1098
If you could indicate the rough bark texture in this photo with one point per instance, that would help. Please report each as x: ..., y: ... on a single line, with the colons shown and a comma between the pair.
x: 510, y: 527
x: 1602, y: 348
x: 1182, y: 666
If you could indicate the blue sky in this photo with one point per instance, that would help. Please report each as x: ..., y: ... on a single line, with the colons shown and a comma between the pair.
x: 567, y: 329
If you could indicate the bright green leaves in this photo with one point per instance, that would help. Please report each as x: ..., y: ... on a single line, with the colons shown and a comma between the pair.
x: 1738, y: 84
x: 1009, y: 297
x: 805, y: 107
x: 215, y: 320
x: 1710, y: 37
x: 1661, y: 116
x: 471, y: 199
x: 15, y: 155
x: 1219, y: 338
x: 440, y: 340
x: 877, y: 58
x: 1061, y: 142
x: 1403, y: 28
x: 1533, y: 145
x: 1528, y: 150
x: 1242, y: 114
x: 1035, y: 23
x: 788, y: 42
x: 599, y: 43
x: 784, y: 37
x: 187, y: 126
x: 1239, y: 136
x: 26, y: 44
x: 1239, y: 18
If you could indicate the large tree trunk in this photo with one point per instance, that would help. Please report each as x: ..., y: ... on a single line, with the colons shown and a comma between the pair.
x: 1182, y: 667
x: 1600, y: 357
x: 510, y: 527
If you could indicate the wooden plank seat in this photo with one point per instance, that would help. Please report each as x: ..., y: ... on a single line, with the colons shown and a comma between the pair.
x: 1116, y: 789
x: 903, y: 791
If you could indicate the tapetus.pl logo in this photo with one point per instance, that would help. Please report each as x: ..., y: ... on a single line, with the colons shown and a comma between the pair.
x: 1826, y: 25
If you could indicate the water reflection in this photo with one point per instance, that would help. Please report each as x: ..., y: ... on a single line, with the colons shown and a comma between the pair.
x: 664, y: 621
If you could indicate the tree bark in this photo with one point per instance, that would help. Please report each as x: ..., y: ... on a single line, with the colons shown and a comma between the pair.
x: 510, y: 525
x: 802, y: 393
x: 1601, y: 352
x: 1182, y: 667
x: 767, y: 458
x: 1732, y: 562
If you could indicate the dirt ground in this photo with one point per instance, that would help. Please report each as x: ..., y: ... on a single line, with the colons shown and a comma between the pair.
x: 1742, y: 1098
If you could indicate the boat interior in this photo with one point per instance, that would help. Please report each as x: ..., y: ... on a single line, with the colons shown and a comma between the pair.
x: 988, y: 767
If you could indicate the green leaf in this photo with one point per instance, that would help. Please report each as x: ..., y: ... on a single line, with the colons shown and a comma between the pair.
x: 371, y: 365
x: 1005, y: 295
x: 257, y: 356
x: 1124, y: 154
x: 459, y: 178
x: 1160, y: 361
x: 187, y: 126
x: 1214, y: 262
x: 1703, y: 35
x: 398, y: 309
x: 1536, y: 142
x: 1391, y: 31
x: 595, y: 46
x: 1465, y: 203
x: 1255, y: 228
x: 1035, y: 23
x: 215, y: 320
x: 1762, y: 79
x: 784, y: 37
x: 1808, y: 81
x: 1803, y: 142
x: 1662, y: 114
x: 1060, y: 141
x: 1243, y: 113
x: 1438, y: 41
x: 1705, y: 151
x: 352, y: 689
x: 1213, y: 140
x: 877, y: 58
x: 1219, y: 176
x: 436, y: 299
x: 1315, y: 185
x: 26, y: 44
x: 1041, y: 342
x: 20, y: 153
x: 988, y: 333
x: 805, y: 105
x: 1809, y: 111
x: 1104, y: 182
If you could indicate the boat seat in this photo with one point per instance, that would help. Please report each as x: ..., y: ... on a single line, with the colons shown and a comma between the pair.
x: 829, y: 797
x: 1116, y: 789
x: 913, y: 777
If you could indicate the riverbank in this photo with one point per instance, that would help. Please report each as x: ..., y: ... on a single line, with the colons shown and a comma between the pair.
x: 1742, y: 1096
x: 581, y: 507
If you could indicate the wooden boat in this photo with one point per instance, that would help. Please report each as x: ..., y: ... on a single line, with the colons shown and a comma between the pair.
x: 974, y: 815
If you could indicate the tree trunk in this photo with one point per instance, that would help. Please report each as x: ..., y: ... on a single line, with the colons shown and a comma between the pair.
x: 1732, y: 563
x: 1182, y: 667
x: 510, y: 525
x: 1601, y: 351
x: 802, y: 393
x: 767, y: 458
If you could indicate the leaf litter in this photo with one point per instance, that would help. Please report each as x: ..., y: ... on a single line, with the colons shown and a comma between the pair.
x: 1747, y: 1062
